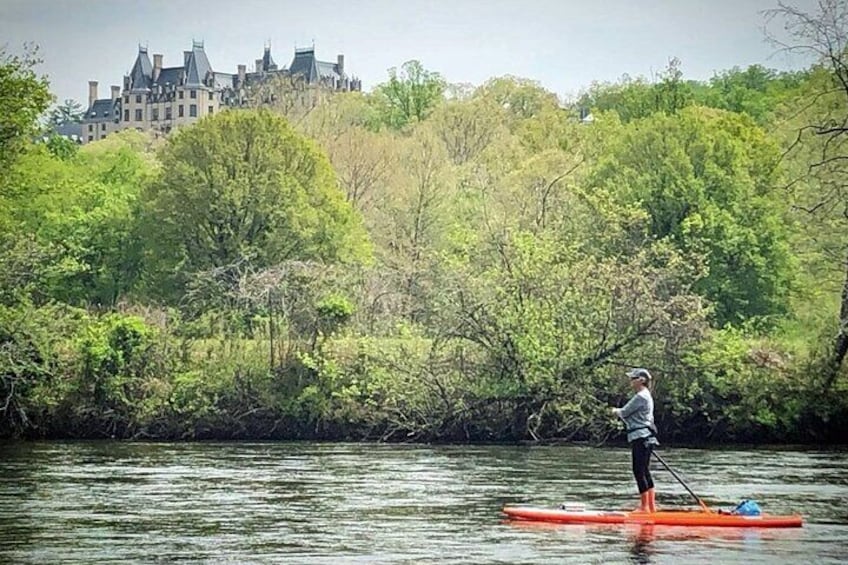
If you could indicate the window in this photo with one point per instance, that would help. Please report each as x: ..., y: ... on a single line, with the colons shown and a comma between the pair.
x: 90, y: 127
x: 103, y: 127
x: 138, y: 115
x: 180, y: 113
x: 126, y: 115
x: 193, y: 94
x: 181, y: 94
x: 127, y: 98
x: 211, y: 110
x: 192, y: 111
x: 138, y: 98
x: 91, y: 138
x: 155, y: 114
x: 168, y: 113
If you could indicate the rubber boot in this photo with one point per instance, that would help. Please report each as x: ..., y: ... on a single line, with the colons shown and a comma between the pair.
x: 652, y: 501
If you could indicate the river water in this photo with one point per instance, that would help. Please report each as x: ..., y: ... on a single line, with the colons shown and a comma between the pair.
x: 107, y: 502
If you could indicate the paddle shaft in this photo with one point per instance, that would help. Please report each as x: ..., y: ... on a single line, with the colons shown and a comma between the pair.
x: 676, y: 476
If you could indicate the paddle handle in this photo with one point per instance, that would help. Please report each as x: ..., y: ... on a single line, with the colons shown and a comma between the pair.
x: 703, y: 505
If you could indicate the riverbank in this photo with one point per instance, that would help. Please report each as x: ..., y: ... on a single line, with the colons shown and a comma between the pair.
x: 140, y: 376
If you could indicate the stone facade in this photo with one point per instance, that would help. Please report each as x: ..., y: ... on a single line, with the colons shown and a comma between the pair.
x: 159, y: 98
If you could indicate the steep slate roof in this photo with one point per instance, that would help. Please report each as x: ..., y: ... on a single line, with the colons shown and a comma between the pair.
x: 142, y: 71
x: 328, y: 70
x: 304, y: 64
x: 312, y: 69
x: 68, y: 129
x: 198, y: 66
x: 102, y: 109
x: 170, y: 75
x: 224, y: 80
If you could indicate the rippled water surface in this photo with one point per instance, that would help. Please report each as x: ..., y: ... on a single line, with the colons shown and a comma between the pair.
x: 359, y: 503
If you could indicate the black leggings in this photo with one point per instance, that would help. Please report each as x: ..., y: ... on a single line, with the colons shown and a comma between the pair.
x: 641, y: 451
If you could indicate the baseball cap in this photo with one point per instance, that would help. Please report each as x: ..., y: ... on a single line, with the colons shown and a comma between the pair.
x: 639, y: 373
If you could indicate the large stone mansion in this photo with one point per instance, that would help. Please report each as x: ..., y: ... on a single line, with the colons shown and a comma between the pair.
x: 160, y: 98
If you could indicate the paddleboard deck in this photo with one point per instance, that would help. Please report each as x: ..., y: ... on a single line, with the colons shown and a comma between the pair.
x: 664, y: 518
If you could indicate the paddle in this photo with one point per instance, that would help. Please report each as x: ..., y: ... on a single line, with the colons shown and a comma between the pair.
x: 676, y: 476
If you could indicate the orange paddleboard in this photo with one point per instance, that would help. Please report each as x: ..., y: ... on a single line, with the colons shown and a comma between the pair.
x: 663, y: 518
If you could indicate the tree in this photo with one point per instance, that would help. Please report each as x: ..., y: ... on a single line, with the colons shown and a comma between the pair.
x: 68, y: 112
x: 707, y: 180
x: 362, y: 160
x: 467, y: 127
x: 639, y: 97
x: 672, y: 92
x: 631, y: 98
x: 243, y: 185
x: 756, y: 91
x: 821, y: 192
x: 23, y: 98
x: 413, y: 217
x: 361, y: 156
x: 521, y: 98
x: 69, y: 223
x: 409, y: 95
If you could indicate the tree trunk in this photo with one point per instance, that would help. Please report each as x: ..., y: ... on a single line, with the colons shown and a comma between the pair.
x: 840, y: 346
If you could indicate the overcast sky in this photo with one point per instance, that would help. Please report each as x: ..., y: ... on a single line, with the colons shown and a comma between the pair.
x: 563, y: 44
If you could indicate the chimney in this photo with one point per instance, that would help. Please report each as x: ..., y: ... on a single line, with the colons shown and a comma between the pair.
x: 340, y: 64
x: 258, y: 65
x: 186, y: 55
x: 157, y: 66
x: 242, y: 71
x: 92, y: 92
x: 116, y: 92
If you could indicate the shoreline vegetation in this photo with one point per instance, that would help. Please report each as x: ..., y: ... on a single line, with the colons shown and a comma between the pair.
x: 437, y: 263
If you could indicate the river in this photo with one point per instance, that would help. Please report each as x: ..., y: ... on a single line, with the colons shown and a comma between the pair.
x: 108, y: 502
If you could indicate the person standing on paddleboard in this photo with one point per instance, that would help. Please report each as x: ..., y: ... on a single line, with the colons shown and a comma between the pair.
x: 638, y: 416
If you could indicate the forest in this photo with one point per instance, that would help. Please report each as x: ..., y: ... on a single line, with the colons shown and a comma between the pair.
x: 437, y: 262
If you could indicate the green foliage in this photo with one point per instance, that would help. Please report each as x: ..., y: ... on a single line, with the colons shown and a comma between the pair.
x: 334, y: 310
x: 707, y: 180
x: 756, y: 91
x: 113, y: 356
x: 70, y: 224
x: 246, y: 185
x: 25, y: 360
x: 733, y: 387
x: 23, y: 98
x: 409, y: 95
x: 520, y: 98
x: 638, y: 98
x: 61, y: 148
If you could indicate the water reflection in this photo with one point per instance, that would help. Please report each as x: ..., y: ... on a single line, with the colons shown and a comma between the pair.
x: 642, y: 544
